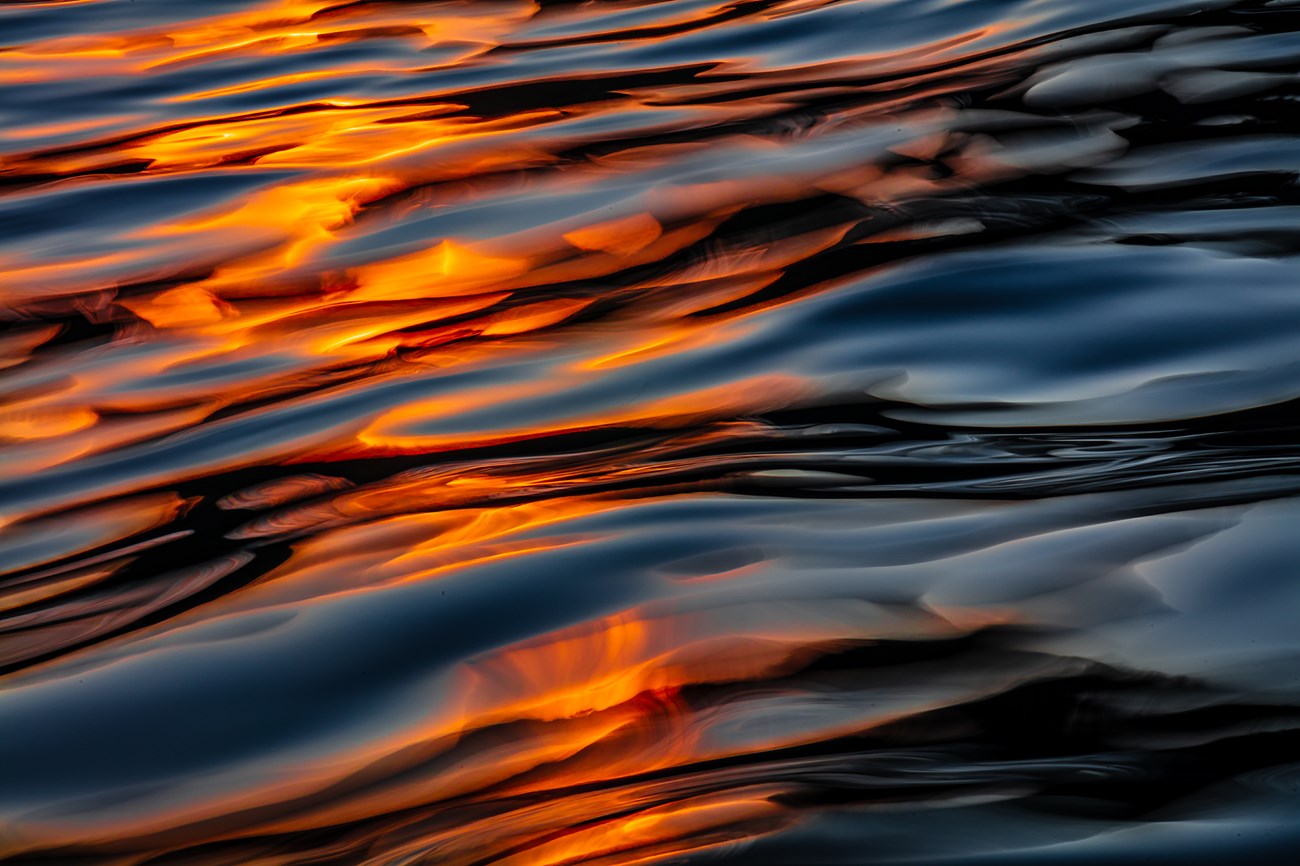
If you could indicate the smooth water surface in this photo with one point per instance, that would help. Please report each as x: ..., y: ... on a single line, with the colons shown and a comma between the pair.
x: 535, y: 433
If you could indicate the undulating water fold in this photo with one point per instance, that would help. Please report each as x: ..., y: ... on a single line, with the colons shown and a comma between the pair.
x: 811, y: 432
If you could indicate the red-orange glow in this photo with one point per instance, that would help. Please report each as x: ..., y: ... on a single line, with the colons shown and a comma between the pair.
x: 542, y: 314
x: 449, y: 268
x: 37, y: 452
x: 387, y: 431
x: 691, y: 825
x: 623, y: 237
x: 185, y: 306
x: 275, y: 27
x: 311, y: 307
x: 36, y: 590
x: 44, y: 423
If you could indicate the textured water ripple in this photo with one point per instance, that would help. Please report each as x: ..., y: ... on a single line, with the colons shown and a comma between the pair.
x: 778, y: 431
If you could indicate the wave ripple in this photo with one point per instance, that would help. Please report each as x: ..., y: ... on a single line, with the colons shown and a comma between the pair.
x: 534, y: 433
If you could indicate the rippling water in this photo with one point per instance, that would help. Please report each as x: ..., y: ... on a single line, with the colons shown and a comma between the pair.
x: 755, y: 431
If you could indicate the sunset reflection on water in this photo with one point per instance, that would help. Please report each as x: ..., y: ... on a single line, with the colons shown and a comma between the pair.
x: 683, y: 431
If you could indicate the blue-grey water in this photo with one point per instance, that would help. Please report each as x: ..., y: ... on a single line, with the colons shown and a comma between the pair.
x: 536, y: 433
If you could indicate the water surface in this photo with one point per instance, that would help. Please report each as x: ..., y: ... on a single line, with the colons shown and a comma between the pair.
x: 550, y: 433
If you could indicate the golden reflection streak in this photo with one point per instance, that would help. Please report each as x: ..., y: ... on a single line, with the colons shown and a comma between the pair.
x: 599, y: 701
x: 386, y: 433
x: 599, y: 682
x: 286, y: 26
x: 678, y: 828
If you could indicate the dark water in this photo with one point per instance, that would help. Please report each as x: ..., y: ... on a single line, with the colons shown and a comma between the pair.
x: 542, y: 433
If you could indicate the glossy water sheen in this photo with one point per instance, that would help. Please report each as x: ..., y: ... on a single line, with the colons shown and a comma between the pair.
x: 751, y: 431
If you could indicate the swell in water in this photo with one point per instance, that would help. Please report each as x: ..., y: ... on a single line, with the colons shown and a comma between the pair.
x: 543, y: 433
